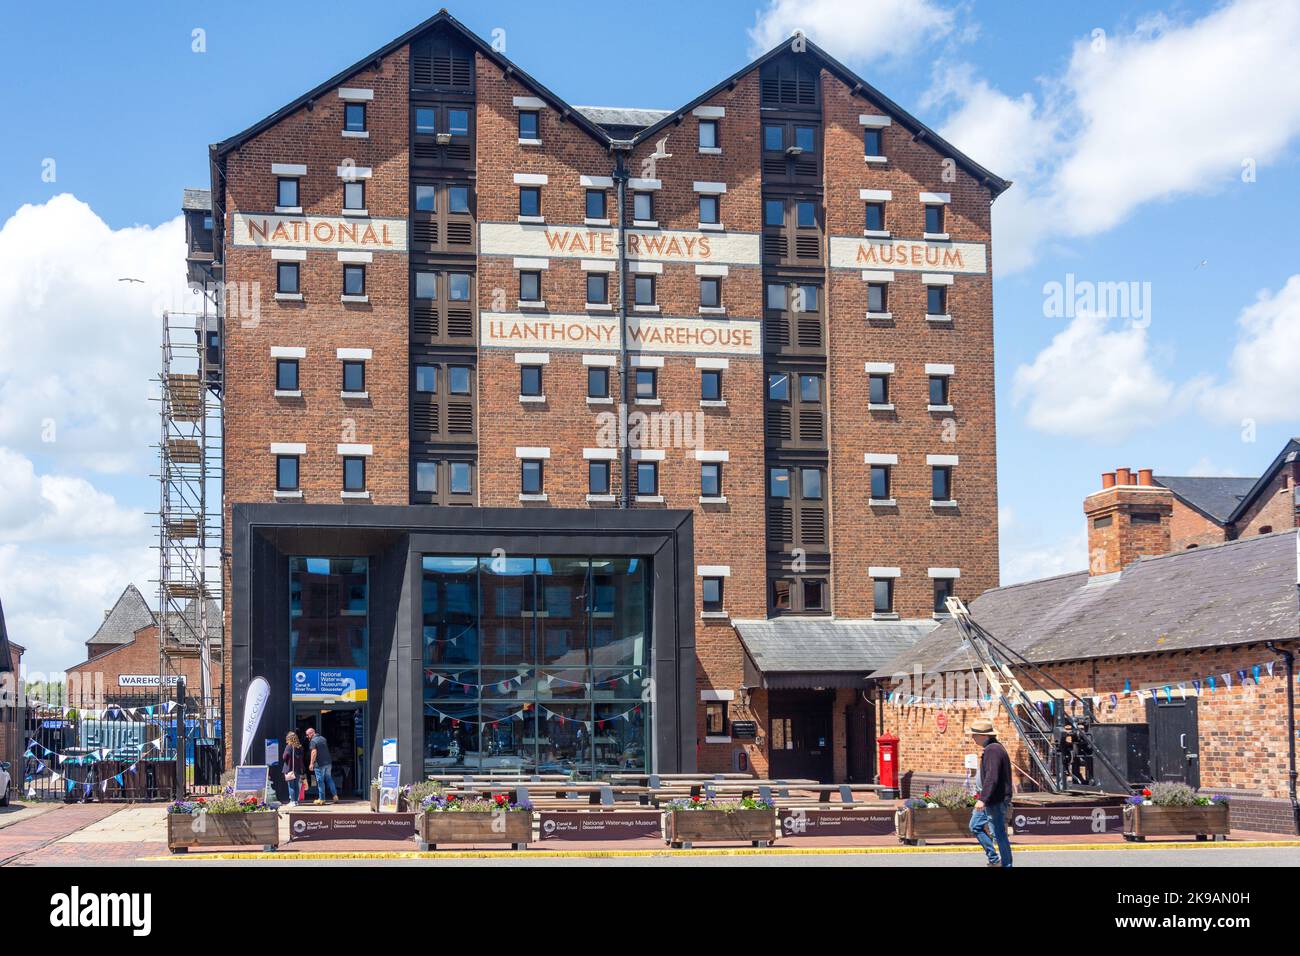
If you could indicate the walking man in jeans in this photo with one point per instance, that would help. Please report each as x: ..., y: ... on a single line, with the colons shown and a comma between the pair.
x: 989, y: 821
x: 320, y: 766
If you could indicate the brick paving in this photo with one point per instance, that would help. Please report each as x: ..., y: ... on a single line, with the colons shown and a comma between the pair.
x: 41, y: 830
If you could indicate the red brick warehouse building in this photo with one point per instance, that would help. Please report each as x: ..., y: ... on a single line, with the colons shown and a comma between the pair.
x: 597, y: 438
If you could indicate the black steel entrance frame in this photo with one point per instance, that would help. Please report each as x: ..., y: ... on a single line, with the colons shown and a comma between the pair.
x: 1062, y: 751
x: 395, y: 538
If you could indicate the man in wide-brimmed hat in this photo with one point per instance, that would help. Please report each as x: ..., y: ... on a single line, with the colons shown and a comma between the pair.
x: 989, y: 821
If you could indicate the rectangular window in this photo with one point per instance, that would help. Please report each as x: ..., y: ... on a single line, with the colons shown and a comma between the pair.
x: 647, y: 478
x: 644, y: 290
x: 938, y: 389
x: 462, y: 476
x: 806, y: 298
x: 426, y: 198
x: 715, y: 712
x: 647, y: 382
x: 934, y: 218
x: 710, y: 479
x: 773, y: 212
x: 710, y: 292
x: 873, y: 143
x: 286, y: 375
x: 529, y: 128
x: 530, y: 287
x: 876, y: 216
x: 426, y: 477
x: 941, y: 483
x: 354, y: 376
x: 597, y: 476
x: 778, y: 482
x: 776, y: 296
x: 878, y: 389
x: 778, y: 387
x: 426, y: 379
x: 780, y: 596
x: 810, y: 388
x: 458, y: 379
x: 711, y: 593
x: 805, y: 214
x: 286, y: 277
x: 774, y: 139
x: 287, y: 192
x: 597, y: 381
x: 883, y: 594
x: 530, y: 476
x: 942, y: 591
x: 354, y: 473
x: 708, y: 134
x: 811, y: 483
x: 1144, y: 517
x: 598, y: 288
x: 354, y: 117
x: 458, y: 286
x: 426, y: 285
x: 354, y: 280
x: 530, y: 201
x: 877, y: 297
x: 286, y: 472
x: 711, y: 385
x: 643, y: 207
x: 880, y: 482
x: 530, y: 380
x: 458, y: 122
x: 426, y: 120
x: 354, y: 195
x: 458, y: 198
x: 936, y: 300
x: 709, y: 209
x: 595, y: 204
x: 814, y: 594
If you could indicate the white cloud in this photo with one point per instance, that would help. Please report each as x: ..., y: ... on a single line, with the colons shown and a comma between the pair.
x: 58, y: 508
x: 1262, y: 382
x: 1094, y: 381
x: 1031, y: 561
x: 78, y: 348
x: 1131, y: 121
x: 858, y: 30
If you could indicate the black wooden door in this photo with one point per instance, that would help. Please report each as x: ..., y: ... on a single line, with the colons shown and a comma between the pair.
x: 799, y: 733
x: 1175, y: 747
x: 859, y: 742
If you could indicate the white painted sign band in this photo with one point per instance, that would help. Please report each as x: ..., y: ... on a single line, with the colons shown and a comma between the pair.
x: 319, y: 232
x: 593, y: 333
x: 586, y: 242
x: 907, y: 255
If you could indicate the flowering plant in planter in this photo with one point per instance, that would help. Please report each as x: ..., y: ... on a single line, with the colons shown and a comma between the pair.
x: 499, y: 802
x: 226, y: 802
x: 707, y: 803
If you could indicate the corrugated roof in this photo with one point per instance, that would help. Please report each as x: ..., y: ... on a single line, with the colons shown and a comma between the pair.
x: 1242, y: 592
x: 787, y: 645
x: 129, y: 614
x: 198, y: 200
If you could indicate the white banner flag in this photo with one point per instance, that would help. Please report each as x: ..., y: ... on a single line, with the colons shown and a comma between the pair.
x: 258, y: 692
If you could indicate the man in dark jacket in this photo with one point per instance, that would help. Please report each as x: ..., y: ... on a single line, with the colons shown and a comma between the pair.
x: 989, y: 821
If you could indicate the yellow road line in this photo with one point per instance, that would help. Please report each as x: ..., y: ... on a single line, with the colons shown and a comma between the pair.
x: 702, y: 851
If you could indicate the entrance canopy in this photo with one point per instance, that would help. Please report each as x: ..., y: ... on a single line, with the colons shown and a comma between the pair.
x: 809, y: 652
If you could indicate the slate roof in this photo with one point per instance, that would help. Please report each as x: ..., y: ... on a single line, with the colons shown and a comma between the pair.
x: 129, y: 614
x: 4, y: 643
x: 625, y: 122
x: 1242, y: 592
x: 185, y: 630
x: 199, y: 200
x: 824, y: 646
x: 1216, y: 498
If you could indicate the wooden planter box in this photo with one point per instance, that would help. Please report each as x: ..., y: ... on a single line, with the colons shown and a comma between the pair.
x: 374, y: 801
x: 223, y: 829
x: 932, y: 823
x: 1203, y: 823
x: 461, y: 827
x: 682, y: 828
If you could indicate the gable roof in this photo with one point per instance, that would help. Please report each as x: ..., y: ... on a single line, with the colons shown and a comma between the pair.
x: 995, y: 184
x: 1242, y: 592
x: 129, y: 614
x: 442, y: 17
x: 4, y: 643
x: 1288, y: 453
x: 822, y: 652
x: 1215, y: 498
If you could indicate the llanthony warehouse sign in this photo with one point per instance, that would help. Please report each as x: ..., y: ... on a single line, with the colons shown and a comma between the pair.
x: 513, y: 329
x: 320, y: 232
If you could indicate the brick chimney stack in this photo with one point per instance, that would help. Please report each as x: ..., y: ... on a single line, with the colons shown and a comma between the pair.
x: 1128, y: 518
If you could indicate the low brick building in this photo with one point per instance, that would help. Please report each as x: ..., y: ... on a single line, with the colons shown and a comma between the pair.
x: 1190, y: 650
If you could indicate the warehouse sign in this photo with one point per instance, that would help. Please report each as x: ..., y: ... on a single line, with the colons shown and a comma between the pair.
x: 907, y: 255
x: 320, y: 232
x: 723, y: 336
x: 652, y: 245
x: 146, y: 680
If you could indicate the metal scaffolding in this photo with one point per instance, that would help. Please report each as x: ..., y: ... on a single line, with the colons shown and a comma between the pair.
x: 189, y: 498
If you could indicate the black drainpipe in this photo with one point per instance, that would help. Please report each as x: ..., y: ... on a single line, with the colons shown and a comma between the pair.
x: 620, y: 180
x: 1289, y: 658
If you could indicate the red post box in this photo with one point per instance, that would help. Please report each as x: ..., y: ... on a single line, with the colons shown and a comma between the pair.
x: 888, y: 746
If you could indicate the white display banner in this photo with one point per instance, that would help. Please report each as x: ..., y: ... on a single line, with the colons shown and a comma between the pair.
x: 648, y: 334
x: 319, y: 232
x: 907, y: 255
x: 254, y: 703
x: 643, y: 245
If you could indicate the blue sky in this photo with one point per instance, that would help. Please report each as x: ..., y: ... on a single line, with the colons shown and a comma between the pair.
x: 1127, y: 149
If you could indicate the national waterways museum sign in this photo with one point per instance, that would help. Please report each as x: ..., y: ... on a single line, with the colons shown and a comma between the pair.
x: 320, y: 232
x: 513, y: 330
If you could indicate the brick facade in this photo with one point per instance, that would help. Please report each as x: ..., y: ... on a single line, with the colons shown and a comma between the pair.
x: 95, y: 682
